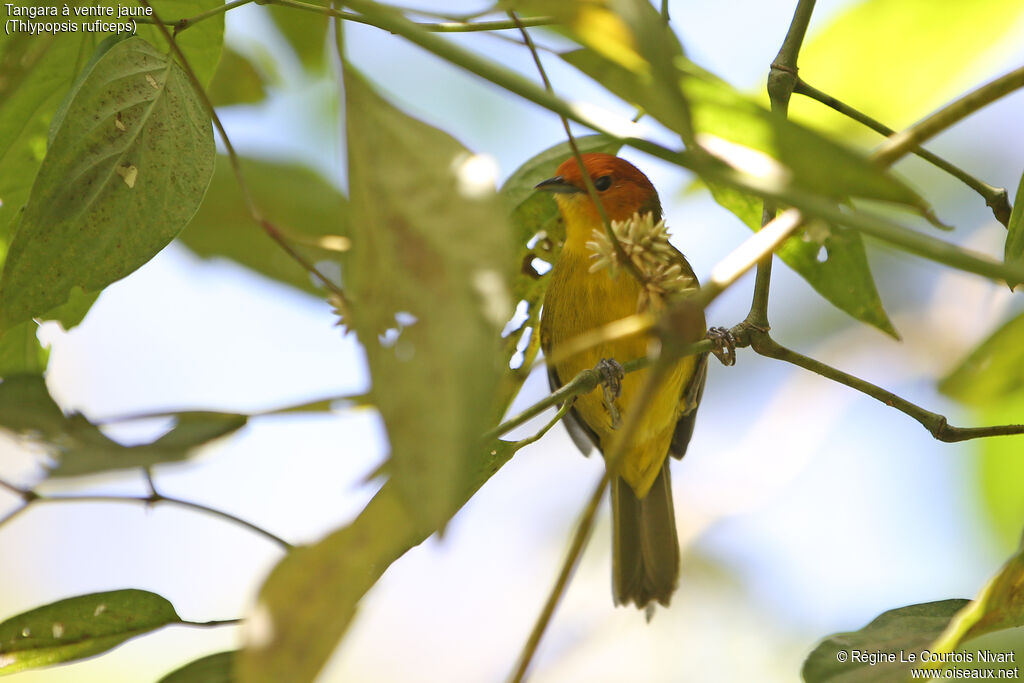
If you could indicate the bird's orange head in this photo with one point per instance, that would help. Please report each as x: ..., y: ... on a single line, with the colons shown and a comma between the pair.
x: 622, y: 188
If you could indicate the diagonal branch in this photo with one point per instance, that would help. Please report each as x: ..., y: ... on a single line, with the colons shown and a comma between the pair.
x: 995, y: 197
x: 936, y: 424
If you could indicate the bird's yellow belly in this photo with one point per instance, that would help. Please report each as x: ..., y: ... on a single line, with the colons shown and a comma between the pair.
x: 597, y: 300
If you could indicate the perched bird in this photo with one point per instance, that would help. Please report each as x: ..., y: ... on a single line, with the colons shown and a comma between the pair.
x: 645, y: 546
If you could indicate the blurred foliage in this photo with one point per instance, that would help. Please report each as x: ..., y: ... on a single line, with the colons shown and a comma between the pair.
x: 106, y: 153
x: 881, y: 57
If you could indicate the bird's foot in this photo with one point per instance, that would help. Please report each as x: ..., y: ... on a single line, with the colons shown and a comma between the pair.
x: 611, y: 385
x: 724, y: 348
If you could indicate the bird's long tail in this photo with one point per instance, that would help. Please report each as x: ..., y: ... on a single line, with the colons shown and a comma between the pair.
x: 645, y: 547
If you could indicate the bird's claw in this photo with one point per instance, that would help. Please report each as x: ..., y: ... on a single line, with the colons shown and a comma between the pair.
x: 724, y: 348
x: 611, y: 385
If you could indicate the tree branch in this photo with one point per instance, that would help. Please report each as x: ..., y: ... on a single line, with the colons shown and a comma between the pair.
x: 936, y: 424
x: 31, y: 497
x: 781, y: 81
x: 906, y: 141
x: 995, y: 197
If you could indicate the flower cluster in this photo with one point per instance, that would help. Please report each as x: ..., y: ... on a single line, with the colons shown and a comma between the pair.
x: 646, y: 245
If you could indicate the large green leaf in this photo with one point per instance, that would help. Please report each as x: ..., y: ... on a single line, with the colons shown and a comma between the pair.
x: 312, y: 595
x: 80, y: 627
x: 309, y: 599
x: 37, y: 70
x: 21, y: 352
x: 897, y: 60
x: 843, y: 276
x: 992, y: 371
x: 126, y: 169
x: 853, y: 657
x: 428, y: 282
x: 307, y: 210
x: 79, y: 447
x: 1013, y: 252
x: 215, y: 668
x: 903, y: 634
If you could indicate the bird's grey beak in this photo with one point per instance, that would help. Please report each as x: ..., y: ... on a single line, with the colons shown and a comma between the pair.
x: 558, y: 184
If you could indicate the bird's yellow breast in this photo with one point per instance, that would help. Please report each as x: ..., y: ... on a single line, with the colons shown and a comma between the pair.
x: 579, y: 301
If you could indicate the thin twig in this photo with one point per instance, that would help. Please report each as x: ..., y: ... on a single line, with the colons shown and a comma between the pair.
x: 780, y: 84
x: 180, y: 25
x: 236, y: 166
x: 579, y: 541
x: 170, y: 500
x: 451, y: 26
x: 936, y: 424
x: 212, y: 624
x: 587, y: 181
x: 909, y: 139
x: 995, y: 197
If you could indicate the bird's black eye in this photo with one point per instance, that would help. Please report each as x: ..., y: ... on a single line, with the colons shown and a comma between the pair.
x: 603, y: 183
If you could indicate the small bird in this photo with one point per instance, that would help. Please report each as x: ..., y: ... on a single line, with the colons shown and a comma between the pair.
x: 645, y: 546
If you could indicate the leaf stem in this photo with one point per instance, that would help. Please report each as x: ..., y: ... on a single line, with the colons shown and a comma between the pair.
x: 236, y: 166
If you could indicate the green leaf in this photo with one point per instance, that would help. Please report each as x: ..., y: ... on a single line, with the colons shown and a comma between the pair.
x: 80, y: 627
x: 312, y: 594
x: 1013, y: 251
x: 126, y: 170
x: 1000, y: 469
x: 236, y: 82
x: 309, y: 211
x: 907, y: 629
x: 536, y: 222
x: 843, y: 277
x: 21, y: 352
x: 305, y: 31
x: 992, y: 371
x: 27, y: 410
x: 911, y: 57
x: 216, y: 668
x: 35, y: 72
x: 720, y: 111
x: 998, y: 606
x: 939, y: 627
x: 428, y: 282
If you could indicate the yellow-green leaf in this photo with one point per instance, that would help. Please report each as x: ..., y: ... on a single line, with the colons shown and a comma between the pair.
x: 428, y: 281
x: 992, y: 371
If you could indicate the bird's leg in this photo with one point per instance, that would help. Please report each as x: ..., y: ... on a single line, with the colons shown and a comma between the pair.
x: 725, y: 345
x: 611, y: 385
